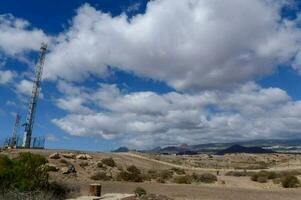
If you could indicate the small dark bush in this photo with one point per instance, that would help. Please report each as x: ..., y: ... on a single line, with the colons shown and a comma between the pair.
x: 139, y: 192
x: 290, y: 182
x: 109, y: 162
x: 183, y: 179
x: 178, y: 170
x: 133, y: 169
x: 126, y: 176
x: 100, y: 176
x: 262, y: 179
x: 153, y: 174
x: 166, y: 174
x: 207, y: 178
x: 236, y: 173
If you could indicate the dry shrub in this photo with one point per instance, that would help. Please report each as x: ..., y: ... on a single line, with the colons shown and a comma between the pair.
x: 186, y: 179
x: 109, y: 162
x: 262, y: 179
x: 290, y: 182
x: 100, y: 176
x: 178, y: 171
x: 207, y: 178
x: 166, y: 174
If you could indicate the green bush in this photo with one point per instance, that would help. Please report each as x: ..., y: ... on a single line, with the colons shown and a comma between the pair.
x: 186, y: 179
x: 109, y: 162
x: 290, y: 182
x: 207, y: 178
x: 25, y: 173
x: 50, y: 168
x: 100, y: 176
x: 139, y: 192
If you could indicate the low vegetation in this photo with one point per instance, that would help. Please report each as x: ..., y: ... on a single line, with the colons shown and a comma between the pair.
x: 132, y: 174
x: 290, y: 182
x: 100, y: 176
x: 109, y: 162
x: 27, y: 174
x: 287, y: 179
x: 139, y: 192
x: 186, y: 179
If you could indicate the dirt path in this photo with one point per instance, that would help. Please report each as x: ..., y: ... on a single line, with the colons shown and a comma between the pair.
x: 198, y: 168
x: 202, y: 192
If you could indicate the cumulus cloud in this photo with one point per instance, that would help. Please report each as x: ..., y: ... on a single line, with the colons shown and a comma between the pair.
x: 6, y: 76
x: 17, y: 36
x: 190, y: 44
x: 147, y: 119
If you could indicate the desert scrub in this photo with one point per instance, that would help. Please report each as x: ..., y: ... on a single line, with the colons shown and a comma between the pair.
x: 260, y: 176
x: 205, y: 178
x: 186, y: 179
x: 166, y: 174
x: 290, y: 182
x: 262, y: 179
x: 139, y: 192
x: 239, y: 173
x: 133, y: 174
x: 109, y: 162
x: 178, y: 171
x: 100, y: 176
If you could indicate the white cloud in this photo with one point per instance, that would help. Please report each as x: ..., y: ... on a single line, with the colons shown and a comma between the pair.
x: 189, y: 44
x: 24, y: 87
x: 52, y: 138
x: 146, y: 119
x: 6, y: 76
x: 17, y: 37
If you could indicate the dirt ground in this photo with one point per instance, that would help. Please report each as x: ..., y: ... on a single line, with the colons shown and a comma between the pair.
x: 226, y: 188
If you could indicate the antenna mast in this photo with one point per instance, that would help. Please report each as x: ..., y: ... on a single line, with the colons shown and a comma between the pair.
x: 13, y: 142
x: 34, y: 97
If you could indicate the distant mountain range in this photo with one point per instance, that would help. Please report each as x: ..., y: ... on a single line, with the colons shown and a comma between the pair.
x: 273, y: 145
x: 241, y: 149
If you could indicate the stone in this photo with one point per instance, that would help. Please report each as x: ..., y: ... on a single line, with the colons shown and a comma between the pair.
x: 83, y: 156
x: 54, y: 156
x: 68, y: 155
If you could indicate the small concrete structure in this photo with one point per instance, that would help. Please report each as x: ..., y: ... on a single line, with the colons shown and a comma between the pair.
x: 95, y: 190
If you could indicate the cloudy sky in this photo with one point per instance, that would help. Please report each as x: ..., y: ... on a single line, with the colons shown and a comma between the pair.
x: 141, y: 73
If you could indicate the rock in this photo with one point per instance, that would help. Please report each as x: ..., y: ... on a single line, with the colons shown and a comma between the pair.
x: 54, y: 156
x: 83, y: 156
x: 68, y: 155
x: 68, y: 170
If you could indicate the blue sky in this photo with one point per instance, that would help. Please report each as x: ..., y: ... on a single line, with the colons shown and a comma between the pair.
x: 142, y: 74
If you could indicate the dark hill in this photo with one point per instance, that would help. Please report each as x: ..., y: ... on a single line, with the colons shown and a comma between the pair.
x: 121, y: 149
x: 241, y: 149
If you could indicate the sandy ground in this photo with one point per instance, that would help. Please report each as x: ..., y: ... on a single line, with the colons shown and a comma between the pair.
x: 227, y: 187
